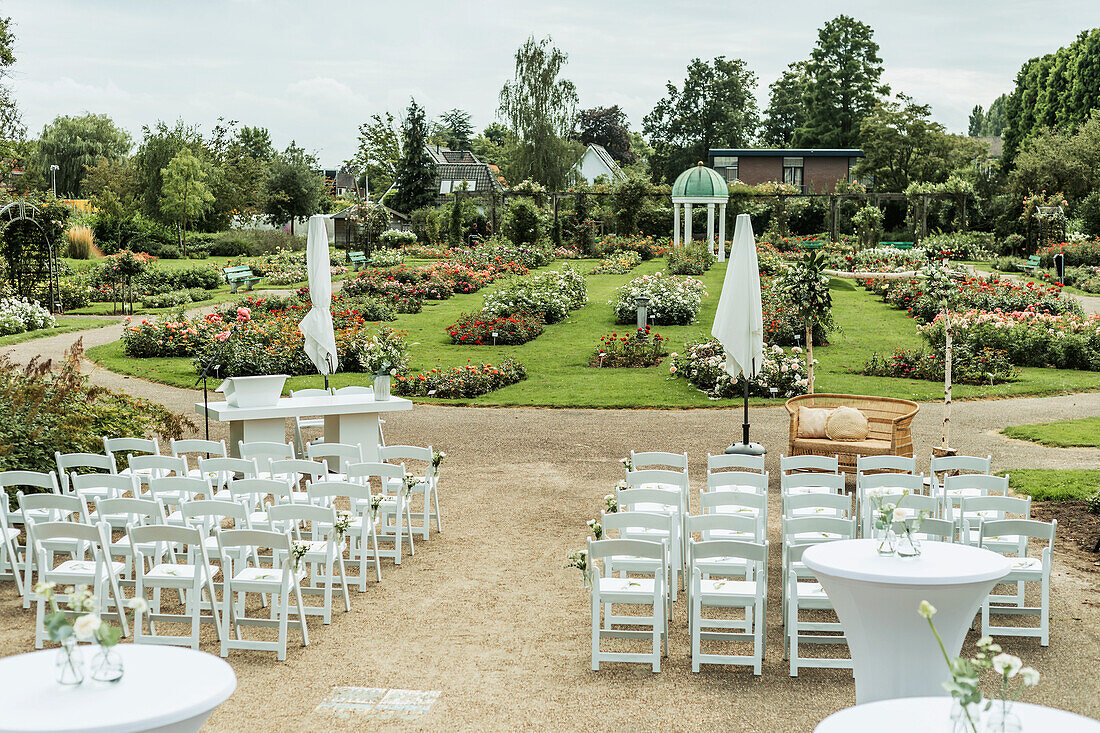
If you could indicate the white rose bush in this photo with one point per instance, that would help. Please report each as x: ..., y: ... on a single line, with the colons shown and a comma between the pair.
x: 19, y: 315
x: 703, y: 363
x: 673, y: 301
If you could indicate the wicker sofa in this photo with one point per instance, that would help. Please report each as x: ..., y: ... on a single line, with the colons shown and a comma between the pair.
x: 890, y: 422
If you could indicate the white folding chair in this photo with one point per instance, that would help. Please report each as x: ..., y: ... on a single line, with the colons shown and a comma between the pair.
x: 10, y: 551
x: 172, y: 491
x: 745, y: 504
x: 808, y: 464
x: 633, y: 591
x: 817, y: 505
x: 363, y: 530
x: 81, y: 463
x: 624, y: 524
x: 891, y: 487
x: 40, y: 508
x: 749, y: 594
x: 198, y: 450
x: 734, y: 462
x: 240, y: 577
x: 322, y: 558
x: 1024, y: 569
x: 263, y: 453
x: 307, y: 422
x: 666, y: 501
x: 954, y: 488
x: 337, y: 456
x: 132, y: 513
x: 811, y: 482
x: 94, y: 486
x: 190, y: 579
x: 426, y: 484
x: 395, y: 505
x: 804, y: 593
x: 935, y: 529
x: 802, y: 532
x: 298, y: 473
x: 100, y: 573
x: 733, y: 527
x: 975, y: 510
x: 254, y: 494
x: 943, y: 466
x: 126, y: 448
x: 221, y: 470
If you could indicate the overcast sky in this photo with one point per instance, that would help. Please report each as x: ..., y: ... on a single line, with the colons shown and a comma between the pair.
x: 313, y: 70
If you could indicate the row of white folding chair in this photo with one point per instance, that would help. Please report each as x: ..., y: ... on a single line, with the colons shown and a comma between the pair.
x: 633, y: 591
x: 651, y: 491
x: 728, y: 574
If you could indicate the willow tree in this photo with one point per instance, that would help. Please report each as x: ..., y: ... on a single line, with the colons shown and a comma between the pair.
x: 540, y: 108
x: 806, y: 286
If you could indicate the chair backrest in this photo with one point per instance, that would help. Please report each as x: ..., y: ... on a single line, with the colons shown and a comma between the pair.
x: 657, y: 477
x: 961, y: 464
x: 825, y: 504
x: 310, y: 392
x: 255, y: 490
x: 279, y: 542
x: 633, y: 548
x: 708, y: 549
x: 624, y: 521
x: 984, y: 483
x: 1002, y: 505
x: 892, y: 482
x: 1030, y: 528
x: 363, y: 472
x: 96, y: 483
x: 159, y: 466
x: 711, y: 502
x: 709, y: 523
x: 319, y: 490
x: 93, y: 533
x: 208, y: 514
x: 405, y: 452
x: 70, y: 462
x: 211, y: 448
x: 137, y: 511
x: 932, y: 528
x: 30, y: 480
x: 185, y: 487
x: 811, y: 482
x: 629, y: 498
x: 290, y: 516
x: 734, y: 462
x: 227, y: 468
x: 823, y: 526
x: 130, y: 446
x: 60, y: 507
x: 888, y: 463
x: 751, y: 481
x: 816, y: 464
x: 354, y: 389
x: 296, y: 469
x: 649, y: 459
x: 155, y: 534
x: 264, y: 452
x: 345, y: 453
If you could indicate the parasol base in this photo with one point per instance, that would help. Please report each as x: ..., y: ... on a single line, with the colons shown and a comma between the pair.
x: 752, y: 449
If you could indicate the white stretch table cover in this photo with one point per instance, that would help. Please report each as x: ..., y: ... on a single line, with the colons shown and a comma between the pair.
x: 894, y: 653
x: 924, y: 714
x: 164, y: 688
x: 348, y: 419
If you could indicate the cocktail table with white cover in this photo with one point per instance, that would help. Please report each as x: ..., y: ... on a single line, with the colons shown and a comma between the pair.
x: 923, y: 714
x: 349, y: 418
x: 894, y: 653
x: 164, y: 689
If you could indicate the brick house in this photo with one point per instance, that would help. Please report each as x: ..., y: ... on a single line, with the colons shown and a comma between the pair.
x: 812, y: 170
x: 457, y: 167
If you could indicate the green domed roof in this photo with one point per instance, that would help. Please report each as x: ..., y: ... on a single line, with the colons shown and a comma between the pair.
x: 700, y: 182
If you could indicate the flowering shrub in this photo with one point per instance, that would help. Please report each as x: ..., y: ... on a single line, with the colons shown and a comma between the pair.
x: 18, y: 315
x: 499, y: 253
x: 647, y: 247
x: 568, y: 253
x: 703, y: 363
x: 1029, y: 337
x: 405, y: 297
x: 384, y: 352
x: 974, y: 293
x: 462, y: 381
x: 1076, y: 253
x: 639, y: 349
x: 959, y: 245
x: 477, y: 329
x: 769, y: 259
x: 672, y: 300
x: 618, y: 263
x: 396, y: 238
x: 781, y: 321
x: 173, y: 298
x: 690, y: 259
x: 887, y: 259
x: 986, y: 366
x: 387, y: 257
x: 551, y: 295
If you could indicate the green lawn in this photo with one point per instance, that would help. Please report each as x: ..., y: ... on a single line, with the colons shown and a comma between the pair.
x: 65, y: 324
x: 558, y: 374
x: 1043, y: 484
x: 1082, y: 433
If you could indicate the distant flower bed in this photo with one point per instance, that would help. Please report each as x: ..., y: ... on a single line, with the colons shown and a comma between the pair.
x: 690, y: 259
x: 982, y: 294
x: 703, y: 363
x: 1076, y: 253
x: 387, y: 257
x: 672, y: 300
x: 638, y: 349
x: 877, y: 259
x: 551, y: 295
x: 647, y: 247
x: 986, y: 366
x: 619, y: 263
x: 478, y: 329
x: 460, y: 382
x: 396, y: 238
x: 1030, y: 338
x: 781, y: 324
x: 18, y: 315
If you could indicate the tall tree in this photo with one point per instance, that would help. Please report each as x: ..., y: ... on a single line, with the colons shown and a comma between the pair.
x: 607, y: 127
x: 111, y: 185
x: 184, y: 195
x: 456, y: 128
x: 379, y: 151
x: 11, y: 122
x: 976, y: 122
x: 843, y: 82
x: 256, y: 142
x: 294, y: 188
x: 716, y: 107
x: 415, y: 174
x: 492, y: 145
x: 785, y: 113
x: 161, y: 143
x: 539, y: 106
x: 74, y: 143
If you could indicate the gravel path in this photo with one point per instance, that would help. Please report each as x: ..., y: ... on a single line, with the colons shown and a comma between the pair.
x: 486, y: 613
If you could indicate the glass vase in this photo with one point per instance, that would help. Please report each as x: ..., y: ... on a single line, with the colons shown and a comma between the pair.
x: 908, y: 545
x: 107, y: 665
x: 382, y: 387
x: 887, y: 540
x: 965, y: 718
x: 70, y: 663
x: 1001, y: 719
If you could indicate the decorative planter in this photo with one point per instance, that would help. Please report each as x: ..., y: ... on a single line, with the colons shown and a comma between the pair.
x: 382, y: 387
x: 260, y: 391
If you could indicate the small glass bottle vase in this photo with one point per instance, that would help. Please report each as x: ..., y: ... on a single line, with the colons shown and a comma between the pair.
x: 107, y: 665
x: 908, y: 545
x: 884, y: 535
x: 966, y: 719
x: 70, y: 663
x: 1000, y: 718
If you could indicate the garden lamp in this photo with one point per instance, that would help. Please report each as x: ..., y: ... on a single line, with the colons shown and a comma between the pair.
x: 53, y: 178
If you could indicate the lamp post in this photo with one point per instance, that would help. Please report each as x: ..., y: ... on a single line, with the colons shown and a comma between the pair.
x: 641, y: 303
x: 53, y: 178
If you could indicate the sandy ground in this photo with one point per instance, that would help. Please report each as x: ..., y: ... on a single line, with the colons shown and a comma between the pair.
x: 487, y: 614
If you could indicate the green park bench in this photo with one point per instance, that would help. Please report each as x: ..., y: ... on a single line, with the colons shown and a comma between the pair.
x: 812, y: 245
x: 240, y: 275
x: 897, y: 245
x: 1032, y: 264
x: 357, y: 260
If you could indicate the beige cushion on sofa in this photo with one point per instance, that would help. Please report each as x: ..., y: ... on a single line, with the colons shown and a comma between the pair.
x: 846, y: 424
x: 823, y: 446
x: 811, y: 421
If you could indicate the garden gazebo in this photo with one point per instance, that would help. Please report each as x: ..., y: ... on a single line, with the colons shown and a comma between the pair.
x: 701, y: 185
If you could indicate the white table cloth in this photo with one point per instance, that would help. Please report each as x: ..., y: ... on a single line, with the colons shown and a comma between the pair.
x: 924, y: 714
x: 348, y: 419
x: 894, y: 653
x: 164, y: 689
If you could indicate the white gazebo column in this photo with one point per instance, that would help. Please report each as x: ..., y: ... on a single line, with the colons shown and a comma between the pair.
x: 687, y: 223
x: 721, y: 232
x: 710, y: 227
x: 676, y: 225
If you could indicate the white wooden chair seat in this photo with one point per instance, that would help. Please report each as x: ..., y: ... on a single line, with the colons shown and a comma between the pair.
x: 166, y: 573
x: 715, y: 589
x: 623, y: 590
x: 77, y: 569
x: 262, y: 580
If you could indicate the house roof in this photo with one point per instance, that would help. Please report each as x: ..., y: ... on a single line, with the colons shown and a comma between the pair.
x: 996, y: 145
x: 604, y: 157
x: 345, y: 212
x: 462, y: 165
x: 787, y: 152
x: 339, y: 178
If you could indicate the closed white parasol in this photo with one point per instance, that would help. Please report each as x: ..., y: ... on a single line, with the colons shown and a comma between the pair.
x: 317, y: 328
